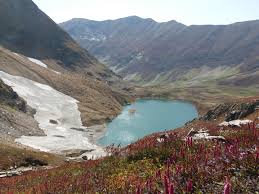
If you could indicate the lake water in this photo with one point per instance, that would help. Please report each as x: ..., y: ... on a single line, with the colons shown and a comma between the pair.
x: 150, y: 116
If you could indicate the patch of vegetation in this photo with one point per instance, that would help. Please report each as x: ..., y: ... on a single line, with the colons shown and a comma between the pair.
x: 160, y: 163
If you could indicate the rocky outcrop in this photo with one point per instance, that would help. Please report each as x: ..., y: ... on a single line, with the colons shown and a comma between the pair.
x: 15, y: 116
x: 10, y: 98
x: 232, y: 111
x: 203, y: 134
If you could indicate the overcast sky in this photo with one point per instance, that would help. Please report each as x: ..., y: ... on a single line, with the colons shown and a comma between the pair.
x: 184, y: 11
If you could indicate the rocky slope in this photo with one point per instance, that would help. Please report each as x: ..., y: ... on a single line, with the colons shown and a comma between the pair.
x: 16, y: 118
x: 10, y: 98
x: 98, y: 100
x: 232, y: 111
x: 28, y: 32
x: 145, y: 51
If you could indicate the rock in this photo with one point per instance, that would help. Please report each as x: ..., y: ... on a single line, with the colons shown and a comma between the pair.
x: 16, y: 172
x: 78, y: 129
x: 217, y: 138
x: 192, y: 132
x: 77, y: 153
x: 60, y: 136
x: 10, y: 174
x: 203, y: 134
x: 33, y: 162
x: 84, y: 158
x: 235, y: 123
x: 160, y: 140
x: 91, y: 150
x: 127, y: 89
x: 164, y: 136
x: 233, y: 115
x: 54, y: 122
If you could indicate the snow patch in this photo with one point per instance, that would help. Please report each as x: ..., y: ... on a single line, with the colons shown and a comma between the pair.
x: 139, y: 56
x: 38, y: 62
x: 16, y: 54
x: 117, y: 69
x: 93, y: 37
x: 51, y: 104
x: 132, y: 76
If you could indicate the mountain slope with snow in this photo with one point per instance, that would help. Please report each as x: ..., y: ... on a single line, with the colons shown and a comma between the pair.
x: 35, y: 47
x: 148, y: 52
x: 51, y: 105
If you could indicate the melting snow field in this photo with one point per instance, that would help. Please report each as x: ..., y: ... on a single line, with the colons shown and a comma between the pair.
x: 52, y: 105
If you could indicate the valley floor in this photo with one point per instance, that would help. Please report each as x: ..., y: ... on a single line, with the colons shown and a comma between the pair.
x: 204, y: 97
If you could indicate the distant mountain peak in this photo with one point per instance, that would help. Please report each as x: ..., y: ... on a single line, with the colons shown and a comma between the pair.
x: 128, y: 18
x: 147, y: 51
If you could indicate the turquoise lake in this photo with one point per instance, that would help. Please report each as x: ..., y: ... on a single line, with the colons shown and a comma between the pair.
x: 150, y: 116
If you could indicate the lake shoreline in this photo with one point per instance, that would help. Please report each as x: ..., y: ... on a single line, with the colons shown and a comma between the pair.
x: 128, y: 125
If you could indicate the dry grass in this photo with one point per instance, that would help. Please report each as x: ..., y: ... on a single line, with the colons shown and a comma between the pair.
x: 12, y: 156
x: 204, y: 97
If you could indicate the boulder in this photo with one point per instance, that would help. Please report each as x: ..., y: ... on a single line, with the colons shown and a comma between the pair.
x: 85, y: 158
x: 235, y: 123
x: 192, y: 132
x: 204, y: 135
x: 54, y: 122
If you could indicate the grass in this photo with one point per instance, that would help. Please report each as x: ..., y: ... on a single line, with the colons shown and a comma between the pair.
x: 13, y: 156
x: 174, y: 165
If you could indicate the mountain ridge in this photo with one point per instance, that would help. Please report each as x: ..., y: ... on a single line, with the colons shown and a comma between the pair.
x: 34, y: 34
x: 151, y: 19
x: 28, y: 33
x: 145, y: 50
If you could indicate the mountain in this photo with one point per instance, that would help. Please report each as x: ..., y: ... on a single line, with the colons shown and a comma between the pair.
x: 27, y: 30
x: 148, y: 52
x: 33, y: 47
x: 54, y: 96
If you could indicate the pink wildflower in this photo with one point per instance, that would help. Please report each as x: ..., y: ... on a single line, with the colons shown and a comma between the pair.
x: 189, y: 186
x: 166, y: 185
x: 227, y: 186
x: 171, y: 189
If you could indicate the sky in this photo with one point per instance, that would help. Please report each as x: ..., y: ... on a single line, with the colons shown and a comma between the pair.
x: 185, y: 11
